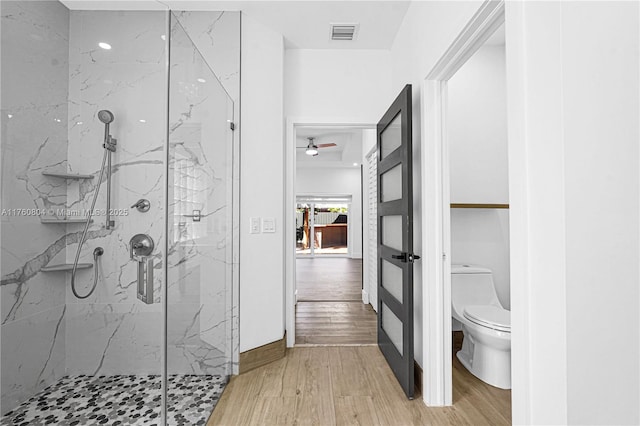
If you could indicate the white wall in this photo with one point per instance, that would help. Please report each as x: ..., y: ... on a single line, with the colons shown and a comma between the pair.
x: 481, y: 237
x: 427, y: 31
x: 340, y: 84
x: 477, y: 141
x: 336, y: 181
x: 573, y: 139
x: 477, y: 129
x: 261, y: 183
x: 601, y: 134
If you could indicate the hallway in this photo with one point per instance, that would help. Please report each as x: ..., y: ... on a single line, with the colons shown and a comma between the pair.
x: 330, y: 308
x: 349, y: 385
x: 321, y: 279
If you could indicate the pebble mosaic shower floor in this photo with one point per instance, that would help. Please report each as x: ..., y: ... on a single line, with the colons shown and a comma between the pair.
x: 120, y: 400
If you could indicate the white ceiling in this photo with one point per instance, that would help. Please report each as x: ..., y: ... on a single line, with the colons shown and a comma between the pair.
x: 303, y: 23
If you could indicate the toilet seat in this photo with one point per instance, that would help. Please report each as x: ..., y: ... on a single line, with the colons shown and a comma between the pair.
x: 489, y: 316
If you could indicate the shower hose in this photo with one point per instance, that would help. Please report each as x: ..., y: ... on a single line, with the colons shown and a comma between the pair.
x: 98, y: 251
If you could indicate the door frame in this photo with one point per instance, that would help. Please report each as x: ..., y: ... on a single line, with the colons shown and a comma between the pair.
x: 436, y: 232
x: 292, y: 123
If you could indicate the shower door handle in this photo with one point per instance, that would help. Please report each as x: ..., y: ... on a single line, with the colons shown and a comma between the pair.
x: 145, y: 281
x: 196, y: 216
x: 140, y: 247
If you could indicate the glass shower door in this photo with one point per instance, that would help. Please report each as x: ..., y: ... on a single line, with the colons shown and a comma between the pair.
x: 199, y: 232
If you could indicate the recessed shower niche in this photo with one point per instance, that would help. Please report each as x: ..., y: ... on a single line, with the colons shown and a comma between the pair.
x: 171, y: 82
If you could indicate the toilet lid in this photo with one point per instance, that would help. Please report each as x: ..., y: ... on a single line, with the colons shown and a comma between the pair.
x: 489, y: 316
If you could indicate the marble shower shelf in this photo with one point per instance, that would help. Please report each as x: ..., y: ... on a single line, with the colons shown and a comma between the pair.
x: 478, y: 206
x: 67, y: 220
x: 65, y: 267
x: 73, y: 176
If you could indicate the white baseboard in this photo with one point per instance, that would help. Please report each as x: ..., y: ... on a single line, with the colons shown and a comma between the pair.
x: 365, y: 297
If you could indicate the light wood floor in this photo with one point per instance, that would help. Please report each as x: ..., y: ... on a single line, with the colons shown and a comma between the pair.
x: 323, y: 279
x: 335, y: 323
x: 330, y: 308
x: 349, y: 386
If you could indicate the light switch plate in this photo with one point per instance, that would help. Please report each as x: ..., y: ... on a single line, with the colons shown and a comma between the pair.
x: 254, y: 225
x: 269, y: 224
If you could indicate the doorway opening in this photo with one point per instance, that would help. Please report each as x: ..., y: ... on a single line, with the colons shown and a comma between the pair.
x: 477, y: 222
x: 326, y: 247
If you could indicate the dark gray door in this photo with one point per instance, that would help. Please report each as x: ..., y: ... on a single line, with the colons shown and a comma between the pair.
x: 395, y: 240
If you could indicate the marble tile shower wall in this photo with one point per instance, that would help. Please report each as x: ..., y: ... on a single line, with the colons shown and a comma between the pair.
x: 34, y: 139
x: 54, y: 80
x: 112, y: 332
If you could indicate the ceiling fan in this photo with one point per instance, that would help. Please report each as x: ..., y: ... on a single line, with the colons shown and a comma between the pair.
x: 312, y: 148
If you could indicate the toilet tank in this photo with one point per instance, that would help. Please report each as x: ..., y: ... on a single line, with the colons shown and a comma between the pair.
x: 471, y: 285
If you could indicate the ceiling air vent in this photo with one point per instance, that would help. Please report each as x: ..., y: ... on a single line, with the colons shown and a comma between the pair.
x: 343, y: 31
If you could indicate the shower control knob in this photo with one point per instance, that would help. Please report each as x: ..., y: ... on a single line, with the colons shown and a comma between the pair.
x: 141, y: 246
x: 142, y: 205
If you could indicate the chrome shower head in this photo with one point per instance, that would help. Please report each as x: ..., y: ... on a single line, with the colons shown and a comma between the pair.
x: 105, y: 116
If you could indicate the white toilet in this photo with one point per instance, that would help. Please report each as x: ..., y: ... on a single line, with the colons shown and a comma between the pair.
x: 486, y: 325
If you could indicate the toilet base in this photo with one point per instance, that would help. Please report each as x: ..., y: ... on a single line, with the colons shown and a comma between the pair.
x: 490, y: 364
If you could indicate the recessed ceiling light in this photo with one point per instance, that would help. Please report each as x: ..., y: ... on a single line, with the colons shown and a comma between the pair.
x: 355, y: 164
x: 105, y: 46
x: 164, y: 37
x: 10, y: 115
x: 142, y: 121
x: 202, y: 80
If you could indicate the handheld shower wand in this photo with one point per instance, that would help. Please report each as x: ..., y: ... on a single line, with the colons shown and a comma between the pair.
x: 109, y: 146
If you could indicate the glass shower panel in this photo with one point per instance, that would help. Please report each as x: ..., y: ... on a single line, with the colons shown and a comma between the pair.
x: 200, y: 194
x: 59, y: 68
